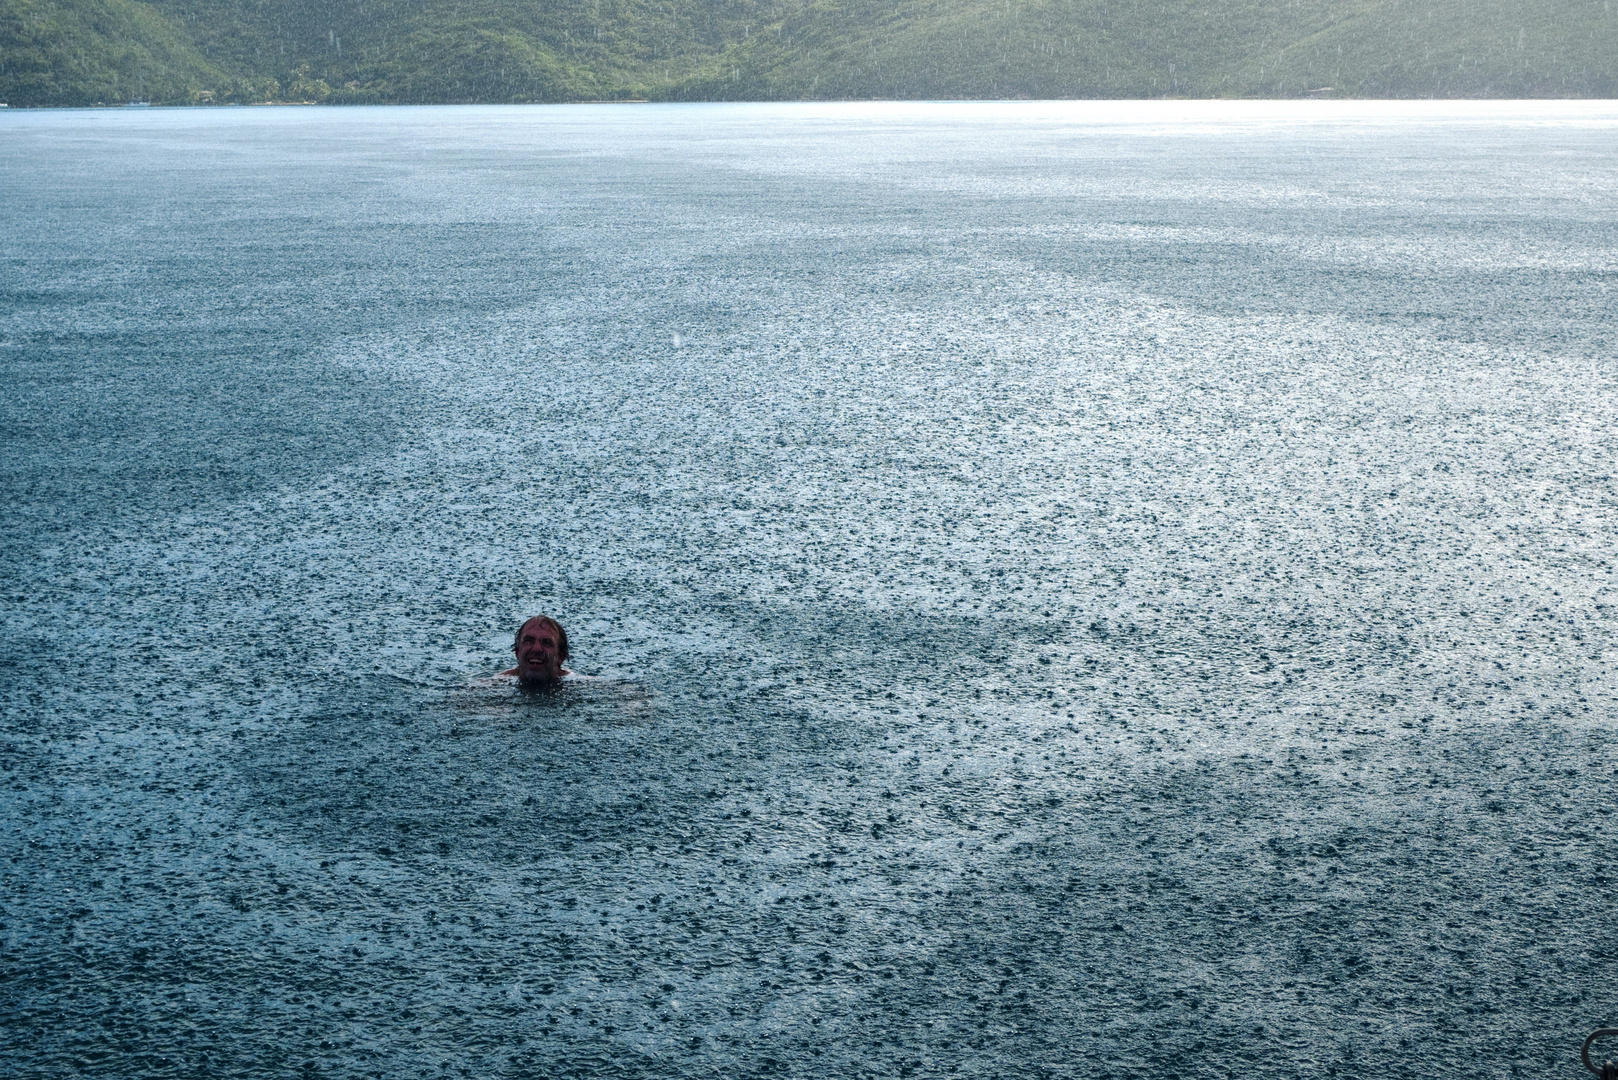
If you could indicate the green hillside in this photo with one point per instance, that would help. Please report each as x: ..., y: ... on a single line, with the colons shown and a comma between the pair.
x: 1229, y: 48
x: 80, y: 52
x: 73, y: 52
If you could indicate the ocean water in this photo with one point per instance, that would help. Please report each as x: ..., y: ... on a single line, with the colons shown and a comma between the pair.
x: 1075, y: 589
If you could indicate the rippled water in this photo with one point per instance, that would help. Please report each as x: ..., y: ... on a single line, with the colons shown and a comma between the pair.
x: 1078, y: 590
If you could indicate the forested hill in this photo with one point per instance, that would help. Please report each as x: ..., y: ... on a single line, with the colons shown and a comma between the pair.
x: 80, y: 52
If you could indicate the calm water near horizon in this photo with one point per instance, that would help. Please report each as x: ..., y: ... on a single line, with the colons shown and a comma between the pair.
x: 1078, y: 589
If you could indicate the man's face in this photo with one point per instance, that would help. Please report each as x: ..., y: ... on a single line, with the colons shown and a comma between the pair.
x: 539, y: 652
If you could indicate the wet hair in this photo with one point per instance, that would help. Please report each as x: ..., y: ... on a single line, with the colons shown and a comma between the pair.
x: 543, y: 620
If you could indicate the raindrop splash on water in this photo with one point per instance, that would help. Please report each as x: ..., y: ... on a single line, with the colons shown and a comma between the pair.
x: 1093, y: 581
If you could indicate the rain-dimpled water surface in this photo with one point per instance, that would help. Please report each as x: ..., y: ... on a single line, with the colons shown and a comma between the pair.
x: 1074, y: 589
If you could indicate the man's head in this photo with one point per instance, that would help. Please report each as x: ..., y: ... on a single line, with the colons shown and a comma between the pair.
x: 541, y: 647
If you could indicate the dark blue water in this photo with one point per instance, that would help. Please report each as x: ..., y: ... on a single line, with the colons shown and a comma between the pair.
x: 1077, y: 590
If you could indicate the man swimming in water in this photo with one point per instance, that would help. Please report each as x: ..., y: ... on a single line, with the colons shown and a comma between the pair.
x: 541, y: 646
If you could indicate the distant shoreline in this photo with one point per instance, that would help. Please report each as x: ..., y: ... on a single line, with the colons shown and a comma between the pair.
x: 487, y: 52
x: 1311, y: 96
